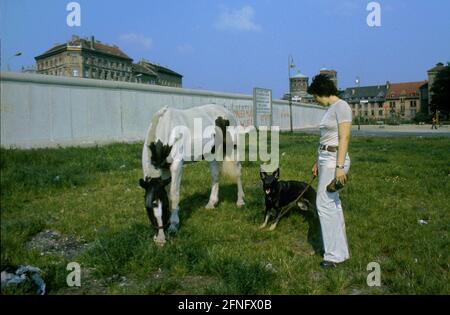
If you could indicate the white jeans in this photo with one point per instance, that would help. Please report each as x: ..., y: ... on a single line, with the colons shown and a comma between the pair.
x: 330, y: 210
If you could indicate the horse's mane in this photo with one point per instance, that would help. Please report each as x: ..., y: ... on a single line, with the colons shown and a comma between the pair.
x: 159, y: 155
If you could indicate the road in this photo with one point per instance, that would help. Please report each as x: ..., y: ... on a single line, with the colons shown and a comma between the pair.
x: 392, y: 131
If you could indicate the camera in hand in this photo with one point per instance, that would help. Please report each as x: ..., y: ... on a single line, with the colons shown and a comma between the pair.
x: 334, y: 186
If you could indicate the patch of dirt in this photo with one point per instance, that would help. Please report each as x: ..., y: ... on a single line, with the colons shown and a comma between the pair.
x: 54, y: 243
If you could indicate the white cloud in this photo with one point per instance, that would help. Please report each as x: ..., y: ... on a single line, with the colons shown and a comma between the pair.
x: 185, y: 49
x: 137, y: 39
x: 237, y: 20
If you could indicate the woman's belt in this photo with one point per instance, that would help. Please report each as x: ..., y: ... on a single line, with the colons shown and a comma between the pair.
x: 328, y: 148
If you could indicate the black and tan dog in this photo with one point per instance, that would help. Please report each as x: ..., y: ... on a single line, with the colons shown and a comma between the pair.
x: 281, y: 193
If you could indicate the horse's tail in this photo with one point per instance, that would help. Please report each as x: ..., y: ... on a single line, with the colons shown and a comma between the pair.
x: 147, y: 167
x: 229, y: 166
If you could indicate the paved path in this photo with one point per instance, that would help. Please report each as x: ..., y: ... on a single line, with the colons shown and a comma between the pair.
x: 393, y: 131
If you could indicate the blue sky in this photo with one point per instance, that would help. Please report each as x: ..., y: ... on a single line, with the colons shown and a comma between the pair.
x: 235, y: 45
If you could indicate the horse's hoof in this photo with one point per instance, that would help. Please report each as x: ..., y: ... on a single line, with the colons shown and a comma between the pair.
x: 273, y: 227
x: 262, y: 226
x: 159, y: 242
x: 210, y: 206
x: 172, y: 229
x: 240, y: 204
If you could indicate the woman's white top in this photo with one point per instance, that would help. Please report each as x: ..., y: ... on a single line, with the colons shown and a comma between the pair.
x: 337, y: 113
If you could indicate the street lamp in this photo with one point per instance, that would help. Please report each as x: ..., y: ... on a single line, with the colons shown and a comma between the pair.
x: 357, y: 81
x: 291, y: 65
x: 15, y: 55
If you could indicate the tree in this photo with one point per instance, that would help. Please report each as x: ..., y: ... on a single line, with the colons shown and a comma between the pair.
x: 440, y: 99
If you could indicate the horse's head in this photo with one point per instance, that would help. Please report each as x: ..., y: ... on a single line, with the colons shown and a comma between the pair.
x: 157, y: 204
x: 156, y: 199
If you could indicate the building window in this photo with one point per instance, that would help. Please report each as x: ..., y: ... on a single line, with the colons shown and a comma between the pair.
x: 75, y: 73
x: 380, y: 113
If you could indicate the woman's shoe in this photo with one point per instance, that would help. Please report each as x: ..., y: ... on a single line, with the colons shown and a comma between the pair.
x: 328, y: 264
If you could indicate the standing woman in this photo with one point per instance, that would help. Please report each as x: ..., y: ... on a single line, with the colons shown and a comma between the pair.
x: 333, y: 163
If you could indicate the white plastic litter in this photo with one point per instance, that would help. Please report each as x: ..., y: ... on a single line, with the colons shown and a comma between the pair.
x: 21, y: 275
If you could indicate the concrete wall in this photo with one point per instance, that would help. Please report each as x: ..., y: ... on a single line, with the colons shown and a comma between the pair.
x: 46, y: 111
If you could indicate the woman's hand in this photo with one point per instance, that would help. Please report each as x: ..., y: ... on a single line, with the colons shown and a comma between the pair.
x: 340, y: 176
x: 314, y: 170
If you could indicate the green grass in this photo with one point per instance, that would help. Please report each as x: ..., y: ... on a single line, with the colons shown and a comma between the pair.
x: 93, y: 195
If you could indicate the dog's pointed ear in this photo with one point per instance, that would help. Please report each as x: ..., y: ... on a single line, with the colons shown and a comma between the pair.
x: 142, y: 183
x: 276, y: 174
x: 263, y: 175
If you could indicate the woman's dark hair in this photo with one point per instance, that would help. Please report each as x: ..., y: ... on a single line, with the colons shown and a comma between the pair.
x: 322, y: 85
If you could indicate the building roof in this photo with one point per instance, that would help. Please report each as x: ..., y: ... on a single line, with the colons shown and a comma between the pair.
x: 404, y: 89
x: 299, y: 75
x: 86, y: 44
x: 374, y: 93
x: 158, y: 69
x: 328, y: 70
x: 138, y: 68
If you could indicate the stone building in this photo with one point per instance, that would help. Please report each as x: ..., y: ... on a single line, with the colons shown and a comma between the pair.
x: 86, y: 58
x: 367, y: 102
x: 424, y: 99
x: 165, y: 76
x: 89, y: 58
x: 298, y: 86
x: 332, y: 74
x: 299, y: 83
x: 142, y: 74
x: 404, y: 100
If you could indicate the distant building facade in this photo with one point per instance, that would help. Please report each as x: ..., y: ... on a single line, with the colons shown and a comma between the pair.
x: 424, y: 99
x: 142, y: 74
x: 164, y: 76
x: 331, y: 74
x: 367, y: 102
x: 299, y: 83
x: 89, y: 58
x: 404, y: 99
x: 85, y: 58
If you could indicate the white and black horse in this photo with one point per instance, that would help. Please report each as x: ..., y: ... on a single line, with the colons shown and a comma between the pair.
x: 174, y: 137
